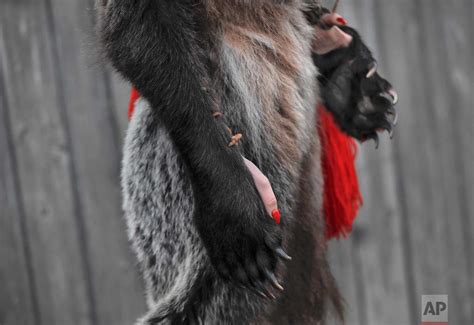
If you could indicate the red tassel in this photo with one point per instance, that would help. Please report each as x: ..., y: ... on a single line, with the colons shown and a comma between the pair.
x: 342, y: 198
x: 131, y: 104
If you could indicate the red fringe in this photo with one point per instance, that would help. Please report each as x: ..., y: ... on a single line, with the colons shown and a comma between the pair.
x: 342, y: 198
x: 131, y: 104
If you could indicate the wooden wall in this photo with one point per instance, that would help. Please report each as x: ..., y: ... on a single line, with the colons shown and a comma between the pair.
x: 64, y: 256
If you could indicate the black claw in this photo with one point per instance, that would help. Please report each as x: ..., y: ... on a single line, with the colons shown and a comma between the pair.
x: 375, y: 137
x: 388, y: 126
x: 273, y: 280
x: 372, y: 70
x: 395, y: 118
x: 282, y: 254
x: 263, y: 290
x: 271, y: 295
x: 258, y: 289
x: 393, y: 112
x: 387, y: 96
x: 262, y: 294
x: 255, y: 288
x: 394, y: 95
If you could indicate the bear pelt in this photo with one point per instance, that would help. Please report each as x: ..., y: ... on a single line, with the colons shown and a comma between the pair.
x: 208, y: 252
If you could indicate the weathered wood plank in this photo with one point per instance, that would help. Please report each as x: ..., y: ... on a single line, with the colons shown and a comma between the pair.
x: 342, y: 264
x: 378, y: 238
x: 402, y: 62
x: 444, y: 129
x: 95, y: 148
x: 17, y: 299
x: 43, y: 160
x: 457, y: 44
x: 423, y: 156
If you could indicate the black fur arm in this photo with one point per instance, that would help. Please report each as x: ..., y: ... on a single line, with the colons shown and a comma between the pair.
x: 155, y: 45
x: 158, y: 46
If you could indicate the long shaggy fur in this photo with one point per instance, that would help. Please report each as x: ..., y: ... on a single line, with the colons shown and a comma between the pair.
x: 259, y: 73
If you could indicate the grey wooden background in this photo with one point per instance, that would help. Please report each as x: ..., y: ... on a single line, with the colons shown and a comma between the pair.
x: 64, y: 257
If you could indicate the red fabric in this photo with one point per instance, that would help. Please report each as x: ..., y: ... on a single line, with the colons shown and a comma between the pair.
x: 131, y: 105
x: 342, y: 198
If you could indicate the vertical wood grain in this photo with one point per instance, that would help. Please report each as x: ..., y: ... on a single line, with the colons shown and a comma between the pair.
x: 40, y: 143
x: 445, y: 122
x: 341, y: 261
x: 457, y: 43
x: 378, y: 237
x: 434, y: 254
x: 18, y: 299
x: 96, y: 151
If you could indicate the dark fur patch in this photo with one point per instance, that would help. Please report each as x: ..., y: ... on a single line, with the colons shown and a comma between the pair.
x: 308, y: 281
